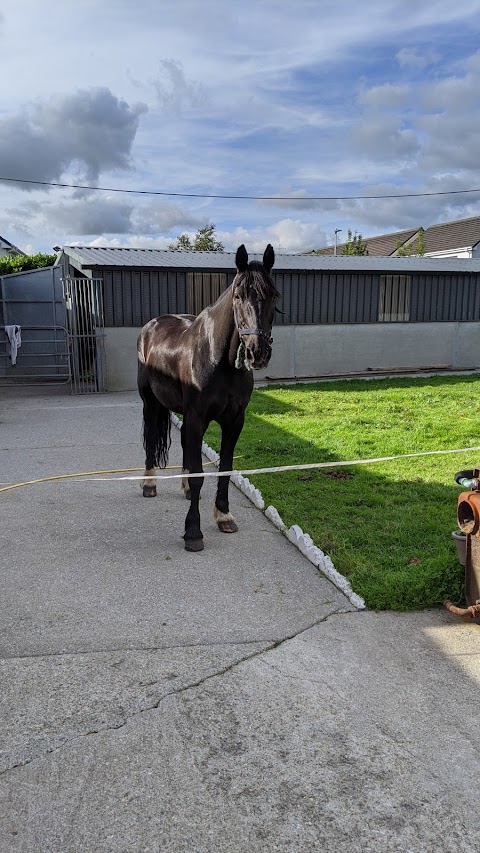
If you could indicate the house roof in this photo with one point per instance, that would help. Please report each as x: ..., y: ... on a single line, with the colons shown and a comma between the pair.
x: 384, y: 244
x: 458, y: 234
x: 88, y: 258
x: 452, y: 235
x: 14, y: 250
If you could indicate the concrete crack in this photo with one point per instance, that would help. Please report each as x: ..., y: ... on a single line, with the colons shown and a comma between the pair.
x: 61, y: 741
x: 122, y: 649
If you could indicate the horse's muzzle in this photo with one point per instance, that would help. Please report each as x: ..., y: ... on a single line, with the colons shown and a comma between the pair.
x: 258, y: 352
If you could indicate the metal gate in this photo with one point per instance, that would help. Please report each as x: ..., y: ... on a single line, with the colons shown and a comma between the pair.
x: 62, y: 330
x: 33, y: 301
x: 86, y: 333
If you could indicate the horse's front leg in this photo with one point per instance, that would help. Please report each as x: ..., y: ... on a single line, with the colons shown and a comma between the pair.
x: 221, y: 512
x: 185, y: 486
x: 193, y: 436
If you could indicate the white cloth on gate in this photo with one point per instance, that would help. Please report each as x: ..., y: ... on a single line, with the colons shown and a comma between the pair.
x: 14, y: 335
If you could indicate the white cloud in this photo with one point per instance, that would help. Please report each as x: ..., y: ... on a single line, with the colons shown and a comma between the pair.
x: 263, y: 99
x: 383, y: 139
x: 286, y: 235
x: 175, y: 92
x: 92, y: 130
x: 133, y: 241
x: 93, y: 215
x: 450, y: 122
x: 387, y: 96
x: 299, y: 200
x: 414, y: 58
x: 473, y: 62
x: 162, y: 216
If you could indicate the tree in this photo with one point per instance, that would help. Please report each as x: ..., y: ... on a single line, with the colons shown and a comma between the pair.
x: 355, y: 245
x: 204, y: 241
x: 420, y: 243
x: 20, y: 263
x: 416, y: 249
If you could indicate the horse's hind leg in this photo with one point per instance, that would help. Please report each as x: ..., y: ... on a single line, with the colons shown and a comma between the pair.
x: 150, y: 416
x: 221, y: 510
x: 156, y: 438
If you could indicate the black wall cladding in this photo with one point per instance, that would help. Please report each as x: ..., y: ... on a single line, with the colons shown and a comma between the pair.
x: 133, y: 296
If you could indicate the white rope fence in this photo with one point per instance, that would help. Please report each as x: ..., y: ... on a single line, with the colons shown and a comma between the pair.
x: 277, y: 469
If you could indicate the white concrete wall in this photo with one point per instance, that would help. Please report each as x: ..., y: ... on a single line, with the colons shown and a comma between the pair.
x: 306, y: 351
x: 461, y: 252
x: 121, y: 359
x: 363, y: 348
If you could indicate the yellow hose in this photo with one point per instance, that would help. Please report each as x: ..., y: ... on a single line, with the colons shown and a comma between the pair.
x: 86, y: 474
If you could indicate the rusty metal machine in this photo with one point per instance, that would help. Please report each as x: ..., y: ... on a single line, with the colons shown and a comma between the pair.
x: 468, y: 519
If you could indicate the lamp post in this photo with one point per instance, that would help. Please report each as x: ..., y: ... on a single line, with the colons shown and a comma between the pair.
x: 337, y: 231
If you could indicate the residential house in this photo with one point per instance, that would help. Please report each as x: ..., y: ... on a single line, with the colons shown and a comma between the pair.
x: 8, y: 249
x: 457, y: 239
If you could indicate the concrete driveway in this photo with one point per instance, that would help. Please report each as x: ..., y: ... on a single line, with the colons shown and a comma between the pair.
x: 233, y: 700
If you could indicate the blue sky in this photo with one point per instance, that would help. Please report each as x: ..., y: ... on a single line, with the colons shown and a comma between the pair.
x: 262, y: 98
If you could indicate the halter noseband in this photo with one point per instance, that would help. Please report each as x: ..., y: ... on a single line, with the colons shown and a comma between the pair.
x: 243, y: 332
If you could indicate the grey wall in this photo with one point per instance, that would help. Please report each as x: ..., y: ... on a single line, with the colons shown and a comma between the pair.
x: 306, y: 351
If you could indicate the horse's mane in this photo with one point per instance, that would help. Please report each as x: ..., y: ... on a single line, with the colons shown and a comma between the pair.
x: 256, y: 277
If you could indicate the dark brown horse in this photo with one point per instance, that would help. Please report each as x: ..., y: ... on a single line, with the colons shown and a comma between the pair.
x: 201, y: 368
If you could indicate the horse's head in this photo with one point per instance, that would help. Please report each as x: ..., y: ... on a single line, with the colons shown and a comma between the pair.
x: 254, y: 298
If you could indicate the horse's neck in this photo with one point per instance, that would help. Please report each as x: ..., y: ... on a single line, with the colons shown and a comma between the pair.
x: 224, y: 337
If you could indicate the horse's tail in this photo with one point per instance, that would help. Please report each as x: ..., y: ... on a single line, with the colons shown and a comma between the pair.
x: 156, y: 434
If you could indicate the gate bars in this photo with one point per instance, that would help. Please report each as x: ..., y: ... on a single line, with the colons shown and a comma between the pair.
x: 85, y: 326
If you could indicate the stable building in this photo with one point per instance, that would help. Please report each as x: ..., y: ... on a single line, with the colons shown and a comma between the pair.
x: 341, y: 316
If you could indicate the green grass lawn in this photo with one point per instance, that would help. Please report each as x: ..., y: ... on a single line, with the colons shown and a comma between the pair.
x: 387, y: 526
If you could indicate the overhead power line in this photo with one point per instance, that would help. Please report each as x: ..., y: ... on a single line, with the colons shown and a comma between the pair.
x: 238, y: 197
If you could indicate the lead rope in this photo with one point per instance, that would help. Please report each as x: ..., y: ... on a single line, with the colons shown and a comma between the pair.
x: 241, y: 362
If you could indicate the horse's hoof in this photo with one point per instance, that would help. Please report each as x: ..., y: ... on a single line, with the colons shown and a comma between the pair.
x: 149, y: 491
x: 228, y: 526
x: 194, y: 545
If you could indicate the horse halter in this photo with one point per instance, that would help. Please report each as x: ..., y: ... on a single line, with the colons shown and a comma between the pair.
x: 244, y: 332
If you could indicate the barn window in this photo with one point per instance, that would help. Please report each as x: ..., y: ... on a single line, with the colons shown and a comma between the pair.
x: 394, y: 298
x: 204, y: 288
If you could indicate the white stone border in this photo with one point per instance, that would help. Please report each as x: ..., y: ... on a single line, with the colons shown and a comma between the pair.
x: 294, y: 534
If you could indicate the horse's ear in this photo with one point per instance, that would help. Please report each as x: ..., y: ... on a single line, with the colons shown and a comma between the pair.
x: 241, y: 258
x: 268, y: 258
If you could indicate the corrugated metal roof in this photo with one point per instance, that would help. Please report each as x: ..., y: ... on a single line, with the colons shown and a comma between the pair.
x: 93, y: 256
x: 87, y: 257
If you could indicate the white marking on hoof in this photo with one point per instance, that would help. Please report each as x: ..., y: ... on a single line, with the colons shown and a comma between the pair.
x: 225, y: 521
x: 149, y: 472
x: 222, y: 516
